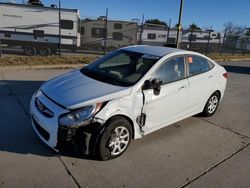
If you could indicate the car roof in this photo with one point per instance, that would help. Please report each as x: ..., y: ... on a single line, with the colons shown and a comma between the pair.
x: 153, y: 50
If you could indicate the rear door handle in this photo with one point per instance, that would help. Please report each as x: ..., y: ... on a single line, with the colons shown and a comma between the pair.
x: 211, y: 76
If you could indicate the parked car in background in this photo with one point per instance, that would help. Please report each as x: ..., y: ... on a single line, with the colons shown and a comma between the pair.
x: 125, y: 95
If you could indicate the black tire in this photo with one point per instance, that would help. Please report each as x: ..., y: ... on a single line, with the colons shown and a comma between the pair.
x: 29, y: 50
x: 53, y: 51
x: 43, y: 51
x: 109, y: 138
x: 211, y: 105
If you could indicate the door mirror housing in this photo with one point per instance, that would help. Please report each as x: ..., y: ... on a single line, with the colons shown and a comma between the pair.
x: 154, y: 84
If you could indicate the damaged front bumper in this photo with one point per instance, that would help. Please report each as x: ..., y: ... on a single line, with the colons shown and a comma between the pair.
x: 53, y: 135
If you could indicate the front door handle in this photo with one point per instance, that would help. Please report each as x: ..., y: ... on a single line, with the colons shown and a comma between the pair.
x: 182, y: 87
x: 211, y: 76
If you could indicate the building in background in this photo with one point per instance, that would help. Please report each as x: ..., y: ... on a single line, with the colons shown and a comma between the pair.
x: 119, y: 33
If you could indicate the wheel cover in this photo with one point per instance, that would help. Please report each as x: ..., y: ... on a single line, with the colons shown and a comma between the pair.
x: 212, y: 104
x: 118, y: 140
x: 44, y: 51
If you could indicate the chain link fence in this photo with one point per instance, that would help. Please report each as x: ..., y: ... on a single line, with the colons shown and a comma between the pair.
x: 100, y: 36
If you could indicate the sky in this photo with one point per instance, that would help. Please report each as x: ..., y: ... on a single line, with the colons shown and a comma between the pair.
x: 204, y: 13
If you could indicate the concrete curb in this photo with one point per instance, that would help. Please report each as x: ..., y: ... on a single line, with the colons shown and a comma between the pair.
x: 27, y: 67
x: 222, y: 60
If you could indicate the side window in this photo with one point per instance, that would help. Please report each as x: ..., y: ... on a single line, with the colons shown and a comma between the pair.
x: 98, y: 32
x: 117, y: 26
x: 67, y: 24
x: 171, y: 70
x: 151, y: 36
x: 82, y: 30
x: 198, y: 65
x: 38, y: 33
x: 7, y: 35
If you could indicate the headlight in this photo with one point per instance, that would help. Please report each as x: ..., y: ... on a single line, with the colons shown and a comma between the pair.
x: 78, y: 116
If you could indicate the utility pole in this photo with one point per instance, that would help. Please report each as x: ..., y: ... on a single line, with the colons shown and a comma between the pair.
x: 179, y: 24
x: 105, y: 32
x: 60, y: 35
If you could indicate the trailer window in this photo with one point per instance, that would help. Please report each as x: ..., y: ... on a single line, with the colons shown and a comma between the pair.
x: 192, y: 37
x: 161, y: 36
x: 82, y: 30
x: 152, y: 36
x: 67, y: 24
x: 98, y: 32
x: 38, y: 33
x: 7, y: 35
x: 117, y: 36
x: 117, y: 26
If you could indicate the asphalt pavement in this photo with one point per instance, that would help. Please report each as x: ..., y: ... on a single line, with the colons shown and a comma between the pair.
x: 196, y: 152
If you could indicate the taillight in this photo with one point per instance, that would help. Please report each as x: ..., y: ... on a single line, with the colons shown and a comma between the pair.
x: 225, y: 75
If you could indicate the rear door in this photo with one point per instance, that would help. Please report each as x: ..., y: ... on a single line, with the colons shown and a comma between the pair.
x: 201, y: 80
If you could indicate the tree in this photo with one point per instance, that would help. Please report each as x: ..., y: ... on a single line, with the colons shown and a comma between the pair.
x: 156, y: 21
x: 232, y: 29
x: 193, y: 26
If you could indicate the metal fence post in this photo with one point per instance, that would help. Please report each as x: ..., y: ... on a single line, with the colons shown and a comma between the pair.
x: 191, y: 38
x: 0, y: 49
x: 245, y: 48
x: 234, y: 48
x: 169, y: 25
x: 60, y: 34
x: 208, y: 41
x: 141, y: 30
x: 222, y: 45
x: 106, y: 32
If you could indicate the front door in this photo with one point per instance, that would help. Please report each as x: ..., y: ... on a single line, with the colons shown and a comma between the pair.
x: 171, y: 103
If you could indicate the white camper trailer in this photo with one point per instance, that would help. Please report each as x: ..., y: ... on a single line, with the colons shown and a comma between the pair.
x: 198, y: 36
x: 36, y: 28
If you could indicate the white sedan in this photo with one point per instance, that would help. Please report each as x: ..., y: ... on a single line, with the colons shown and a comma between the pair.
x: 125, y: 95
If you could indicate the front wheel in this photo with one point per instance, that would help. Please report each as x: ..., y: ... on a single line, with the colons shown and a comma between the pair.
x: 43, y: 51
x: 115, y: 139
x: 211, y: 105
x: 29, y: 50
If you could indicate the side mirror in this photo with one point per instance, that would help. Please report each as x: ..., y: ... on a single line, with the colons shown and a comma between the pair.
x: 155, y: 84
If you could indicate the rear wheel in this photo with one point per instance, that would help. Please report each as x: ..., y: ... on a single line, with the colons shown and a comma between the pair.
x: 211, y: 105
x: 29, y: 50
x: 43, y: 51
x: 115, y: 139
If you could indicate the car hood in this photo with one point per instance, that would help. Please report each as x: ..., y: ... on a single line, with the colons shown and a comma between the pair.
x: 74, y: 90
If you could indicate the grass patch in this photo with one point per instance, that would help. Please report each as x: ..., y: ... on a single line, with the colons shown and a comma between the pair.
x: 53, y: 60
x: 228, y: 56
x: 69, y: 60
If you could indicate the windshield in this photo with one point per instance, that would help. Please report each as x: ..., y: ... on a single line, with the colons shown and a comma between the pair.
x: 122, y: 68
